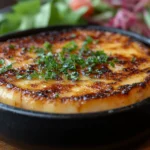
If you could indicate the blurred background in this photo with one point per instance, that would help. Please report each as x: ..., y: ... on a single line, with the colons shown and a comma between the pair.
x: 5, y: 3
x: 131, y: 15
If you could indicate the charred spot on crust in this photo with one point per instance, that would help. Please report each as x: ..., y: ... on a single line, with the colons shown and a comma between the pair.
x: 122, y: 90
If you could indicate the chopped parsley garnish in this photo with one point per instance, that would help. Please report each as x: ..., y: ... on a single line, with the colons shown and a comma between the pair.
x: 47, y: 46
x: 12, y: 46
x: 19, y: 76
x: 69, y: 63
x: 74, y: 76
x: 56, y: 95
x: 33, y: 75
x: 23, y: 50
x: 2, y: 61
x: 31, y: 49
x: 39, y: 51
x: 73, y: 35
x: 5, y: 68
x: 69, y: 47
x: 89, y: 40
x: 96, y: 41
x: 112, y: 63
x: 133, y: 59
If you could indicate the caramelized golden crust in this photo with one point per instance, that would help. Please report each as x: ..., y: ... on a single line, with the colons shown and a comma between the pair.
x: 127, y: 83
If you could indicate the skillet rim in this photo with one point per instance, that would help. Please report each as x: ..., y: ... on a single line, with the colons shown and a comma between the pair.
x: 38, y: 114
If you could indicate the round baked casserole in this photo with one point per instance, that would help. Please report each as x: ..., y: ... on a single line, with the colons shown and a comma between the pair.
x: 73, y: 71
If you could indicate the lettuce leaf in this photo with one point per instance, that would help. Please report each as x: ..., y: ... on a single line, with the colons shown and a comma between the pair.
x: 147, y: 17
x: 27, y: 14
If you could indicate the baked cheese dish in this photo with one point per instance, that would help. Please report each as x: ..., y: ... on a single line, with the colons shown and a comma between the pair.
x: 74, y: 71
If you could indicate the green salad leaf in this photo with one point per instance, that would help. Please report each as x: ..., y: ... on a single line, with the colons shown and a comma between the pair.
x: 42, y: 17
x: 27, y: 14
x: 27, y: 7
x: 147, y: 17
x: 100, y: 5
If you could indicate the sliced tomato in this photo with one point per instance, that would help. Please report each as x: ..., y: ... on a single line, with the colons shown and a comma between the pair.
x: 76, y: 4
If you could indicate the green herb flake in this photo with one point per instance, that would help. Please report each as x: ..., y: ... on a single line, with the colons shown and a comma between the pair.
x: 133, y: 59
x: 39, y: 51
x: 5, y: 68
x: 73, y: 35
x: 96, y: 41
x: 65, y: 64
x: 34, y: 75
x: 56, y: 95
x: 11, y: 46
x: 47, y: 46
x: 112, y: 62
x: 31, y: 49
x: 87, y: 41
x: 23, y: 50
x: 19, y: 76
x: 50, y: 75
x: 69, y: 47
x: 74, y: 76
x: 99, y: 71
x: 11, y: 58
x: 2, y: 61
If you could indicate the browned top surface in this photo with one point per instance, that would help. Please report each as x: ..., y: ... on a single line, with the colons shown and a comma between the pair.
x: 113, y: 80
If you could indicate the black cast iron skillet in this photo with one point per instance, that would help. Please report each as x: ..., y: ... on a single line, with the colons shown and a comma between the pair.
x: 37, y: 130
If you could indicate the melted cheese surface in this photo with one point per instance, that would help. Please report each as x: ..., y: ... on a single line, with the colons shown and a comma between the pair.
x: 122, y: 85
